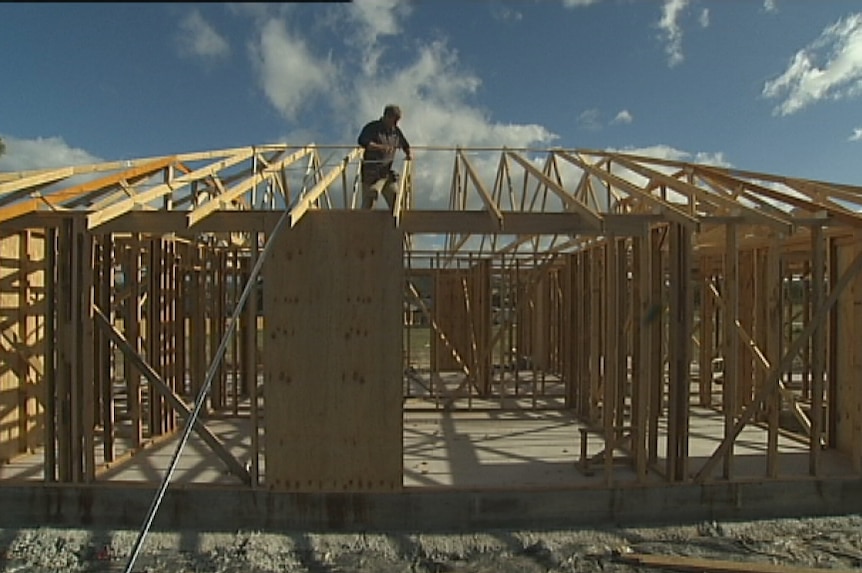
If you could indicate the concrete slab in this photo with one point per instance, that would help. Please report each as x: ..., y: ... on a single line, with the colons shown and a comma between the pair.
x: 461, y: 469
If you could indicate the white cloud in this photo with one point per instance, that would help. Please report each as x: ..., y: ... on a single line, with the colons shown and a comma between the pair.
x: 199, y: 38
x: 434, y: 92
x: 669, y: 25
x: 373, y: 20
x: 590, y: 119
x: 857, y: 134
x: 770, y: 5
x: 704, y: 18
x: 379, y: 17
x: 829, y: 68
x: 579, y: 3
x: 624, y: 116
x: 506, y: 14
x: 663, y: 151
x: 290, y: 75
x: 41, y: 153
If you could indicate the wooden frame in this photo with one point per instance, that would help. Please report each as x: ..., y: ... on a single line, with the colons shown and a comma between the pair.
x: 600, y: 283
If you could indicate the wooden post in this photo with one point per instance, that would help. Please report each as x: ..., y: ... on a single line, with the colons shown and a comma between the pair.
x: 621, y: 356
x: 612, y: 337
x: 832, y: 351
x: 134, y: 318
x: 641, y: 359
x: 657, y: 318
x: 596, y: 328
x: 850, y: 394
x: 772, y: 276
x: 805, y: 282
x: 252, y: 371
x: 746, y: 305
x: 236, y: 285
x: 731, y: 339
x: 584, y: 337
x: 76, y: 406
x: 679, y: 346
x: 707, y: 346
x: 87, y: 341
x: 818, y: 349
x: 103, y: 364
x: 182, y: 304
x: 51, y: 401
x: 153, y: 348
x: 173, y: 332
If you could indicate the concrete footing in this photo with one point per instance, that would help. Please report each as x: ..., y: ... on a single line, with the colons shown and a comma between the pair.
x: 216, y: 508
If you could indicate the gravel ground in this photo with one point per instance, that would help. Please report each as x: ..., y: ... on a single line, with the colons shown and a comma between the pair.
x: 828, y: 543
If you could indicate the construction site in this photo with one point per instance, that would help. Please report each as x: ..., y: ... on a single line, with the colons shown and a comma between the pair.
x: 573, y: 337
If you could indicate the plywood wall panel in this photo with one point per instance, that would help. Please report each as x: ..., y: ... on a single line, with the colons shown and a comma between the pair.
x: 332, y: 354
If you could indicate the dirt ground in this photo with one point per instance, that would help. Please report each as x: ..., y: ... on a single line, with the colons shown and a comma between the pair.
x: 827, y: 543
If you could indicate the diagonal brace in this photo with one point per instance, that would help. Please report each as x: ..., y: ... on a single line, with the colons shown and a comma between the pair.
x: 176, y: 402
x: 770, y: 383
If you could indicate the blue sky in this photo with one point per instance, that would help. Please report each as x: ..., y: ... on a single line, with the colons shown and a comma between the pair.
x: 762, y: 85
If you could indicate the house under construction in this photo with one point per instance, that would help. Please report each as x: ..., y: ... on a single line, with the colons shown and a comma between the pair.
x: 568, y: 336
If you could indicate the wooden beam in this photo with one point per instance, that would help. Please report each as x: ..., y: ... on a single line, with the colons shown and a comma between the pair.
x: 673, y: 212
x: 54, y: 201
x: 221, y: 201
x: 701, y: 565
x: 591, y: 218
x: 845, y: 216
x: 304, y: 203
x: 34, y: 180
x: 493, y: 209
x: 753, y: 215
x: 102, y: 216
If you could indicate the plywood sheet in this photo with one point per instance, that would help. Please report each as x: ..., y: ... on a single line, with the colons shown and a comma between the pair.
x: 333, y: 380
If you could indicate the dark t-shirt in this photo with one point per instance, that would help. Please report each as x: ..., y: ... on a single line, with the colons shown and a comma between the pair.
x: 376, y: 164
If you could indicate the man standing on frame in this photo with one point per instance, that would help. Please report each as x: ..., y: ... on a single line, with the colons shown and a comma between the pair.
x: 380, y: 138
